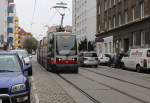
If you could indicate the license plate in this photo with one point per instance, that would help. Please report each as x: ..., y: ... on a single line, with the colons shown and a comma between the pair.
x: 0, y: 101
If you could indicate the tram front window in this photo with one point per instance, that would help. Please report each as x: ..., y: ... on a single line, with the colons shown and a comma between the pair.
x: 66, y: 45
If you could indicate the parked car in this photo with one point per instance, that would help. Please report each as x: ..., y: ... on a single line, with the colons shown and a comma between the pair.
x: 104, y: 59
x: 116, y: 60
x: 88, y: 59
x: 25, y: 57
x: 137, y: 59
x: 14, y: 83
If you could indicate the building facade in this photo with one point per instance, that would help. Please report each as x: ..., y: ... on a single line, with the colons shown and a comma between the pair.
x: 84, y: 19
x: 128, y: 21
x: 7, y: 26
x: 11, y: 23
x: 3, y: 21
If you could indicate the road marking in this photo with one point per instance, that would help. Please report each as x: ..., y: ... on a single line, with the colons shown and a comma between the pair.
x: 36, y: 98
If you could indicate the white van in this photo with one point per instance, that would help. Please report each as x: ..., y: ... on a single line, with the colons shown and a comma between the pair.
x: 137, y: 59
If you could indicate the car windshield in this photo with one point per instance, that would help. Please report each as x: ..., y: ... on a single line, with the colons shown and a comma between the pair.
x: 22, y: 53
x: 9, y: 63
x: 90, y: 55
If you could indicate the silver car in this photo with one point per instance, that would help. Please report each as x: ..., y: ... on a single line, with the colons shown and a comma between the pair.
x: 88, y: 59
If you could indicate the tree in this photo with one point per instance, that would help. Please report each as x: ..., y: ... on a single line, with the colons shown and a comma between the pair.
x: 30, y: 44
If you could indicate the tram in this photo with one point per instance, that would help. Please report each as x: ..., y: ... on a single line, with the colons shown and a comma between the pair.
x: 58, y: 51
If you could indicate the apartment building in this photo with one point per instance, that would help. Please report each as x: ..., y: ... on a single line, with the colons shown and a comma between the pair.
x: 7, y: 22
x: 84, y: 19
x: 11, y: 23
x: 128, y: 21
x: 3, y: 21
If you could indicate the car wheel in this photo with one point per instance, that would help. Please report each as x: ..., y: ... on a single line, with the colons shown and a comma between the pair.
x: 123, y: 66
x: 138, y: 68
x: 30, y: 72
x: 29, y: 98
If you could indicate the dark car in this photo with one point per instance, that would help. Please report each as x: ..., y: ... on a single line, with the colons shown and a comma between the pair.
x: 116, y: 60
x: 14, y: 83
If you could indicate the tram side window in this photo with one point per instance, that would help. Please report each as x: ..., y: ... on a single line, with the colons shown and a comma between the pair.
x: 51, y: 47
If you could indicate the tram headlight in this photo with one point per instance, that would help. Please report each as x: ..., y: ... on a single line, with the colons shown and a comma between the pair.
x: 58, y: 59
x: 74, y: 59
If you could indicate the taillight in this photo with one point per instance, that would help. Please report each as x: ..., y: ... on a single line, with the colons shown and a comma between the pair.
x: 144, y: 63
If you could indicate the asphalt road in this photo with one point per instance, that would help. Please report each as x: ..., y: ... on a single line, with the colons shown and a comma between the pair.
x: 91, y: 85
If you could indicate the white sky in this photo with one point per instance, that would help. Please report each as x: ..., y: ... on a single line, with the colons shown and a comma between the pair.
x: 43, y: 15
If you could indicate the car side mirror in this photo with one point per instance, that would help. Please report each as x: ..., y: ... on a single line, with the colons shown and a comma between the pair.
x: 30, y: 56
x: 26, y: 60
x: 27, y: 70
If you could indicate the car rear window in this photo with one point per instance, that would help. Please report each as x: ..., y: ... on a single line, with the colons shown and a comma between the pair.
x: 148, y: 53
x: 90, y: 55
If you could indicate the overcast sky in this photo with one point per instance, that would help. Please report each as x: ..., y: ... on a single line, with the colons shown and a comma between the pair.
x: 43, y: 15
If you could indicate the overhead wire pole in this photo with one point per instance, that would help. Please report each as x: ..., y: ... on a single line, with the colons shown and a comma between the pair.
x: 59, y: 7
x: 35, y: 2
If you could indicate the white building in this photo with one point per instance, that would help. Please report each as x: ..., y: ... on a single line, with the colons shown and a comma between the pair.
x: 105, y: 46
x: 84, y: 19
x: 3, y: 21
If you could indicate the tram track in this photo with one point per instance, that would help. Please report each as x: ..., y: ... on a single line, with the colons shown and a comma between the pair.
x: 121, y: 80
x: 92, y: 98
x: 122, y: 92
x: 80, y: 90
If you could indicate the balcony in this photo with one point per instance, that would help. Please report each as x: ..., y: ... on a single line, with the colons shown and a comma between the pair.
x: 11, y: 9
x: 10, y: 19
x: 9, y: 30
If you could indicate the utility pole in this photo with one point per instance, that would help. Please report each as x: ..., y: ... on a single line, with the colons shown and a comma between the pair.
x: 60, y: 8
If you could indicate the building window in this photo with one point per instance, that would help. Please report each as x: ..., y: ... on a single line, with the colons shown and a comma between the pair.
x: 114, y: 21
x: 105, y: 24
x: 134, y: 38
x: 110, y: 47
x: 99, y: 28
x: 105, y: 5
x: 126, y: 16
x: 114, y: 3
x: 142, y: 9
x: 143, y: 39
x: 133, y: 13
x: 106, y: 48
x: 99, y: 10
x: 109, y: 3
x: 119, y: 19
x: 109, y: 23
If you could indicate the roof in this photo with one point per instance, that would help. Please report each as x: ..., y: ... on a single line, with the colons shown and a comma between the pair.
x: 7, y: 53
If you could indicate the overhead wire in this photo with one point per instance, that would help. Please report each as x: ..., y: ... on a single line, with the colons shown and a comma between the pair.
x: 34, y: 10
